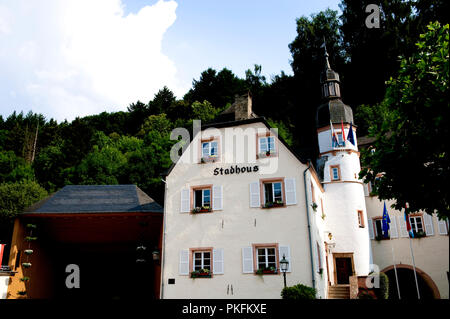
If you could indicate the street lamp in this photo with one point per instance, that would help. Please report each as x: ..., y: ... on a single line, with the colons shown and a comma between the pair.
x: 284, y: 264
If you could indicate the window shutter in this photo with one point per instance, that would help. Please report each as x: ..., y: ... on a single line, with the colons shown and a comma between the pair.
x: 403, y: 230
x: 255, y: 200
x: 185, y: 201
x: 184, y: 262
x: 442, y: 226
x: 370, y: 228
x: 217, y: 198
x: 218, y: 261
x: 291, y: 195
x: 366, y: 190
x: 393, y: 228
x: 428, y: 221
x: 286, y: 251
x: 247, y: 260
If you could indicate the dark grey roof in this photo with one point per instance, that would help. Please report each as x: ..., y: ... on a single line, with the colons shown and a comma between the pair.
x: 96, y: 199
x: 335, y: 111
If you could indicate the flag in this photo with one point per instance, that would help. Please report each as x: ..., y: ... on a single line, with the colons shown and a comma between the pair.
x: 386, y: 222
x: 343, y: 132
x: 334, y: 139
x: 408, y: 225
x: 2, y: 249
x: 350, y: 136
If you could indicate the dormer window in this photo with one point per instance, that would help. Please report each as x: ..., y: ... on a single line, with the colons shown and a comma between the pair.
x: 266, y: 145
x: 210, y: 151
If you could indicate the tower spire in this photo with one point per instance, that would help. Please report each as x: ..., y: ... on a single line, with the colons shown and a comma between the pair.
x: 324, y: 45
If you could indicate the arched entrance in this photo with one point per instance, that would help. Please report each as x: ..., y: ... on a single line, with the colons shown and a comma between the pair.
x: 407, y: 283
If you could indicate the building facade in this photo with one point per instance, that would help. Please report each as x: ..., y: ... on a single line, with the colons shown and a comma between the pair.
x: 239, y: 200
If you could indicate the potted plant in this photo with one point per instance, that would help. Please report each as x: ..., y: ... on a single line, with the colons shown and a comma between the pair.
x: 202, y: 273
x: 196, y: 210
x: 268, y: 205
x: 268, y: 153
x: 205, y: 209
x: 26, y: 265
x: 279, y: 203
x: 314, y: 206
x: 266, y: 270
x: 419, y: 234
x: 28, y: 251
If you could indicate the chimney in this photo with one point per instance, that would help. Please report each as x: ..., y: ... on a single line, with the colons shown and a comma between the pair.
x: 242, y: 106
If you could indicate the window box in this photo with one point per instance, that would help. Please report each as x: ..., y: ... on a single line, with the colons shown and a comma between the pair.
x: 209, y: 159
x: 202, y: 273
x: 204, y: 209
x: 267, y: 271
x: 419, y: 234
x: 267, y: 154
x: 273, y: 204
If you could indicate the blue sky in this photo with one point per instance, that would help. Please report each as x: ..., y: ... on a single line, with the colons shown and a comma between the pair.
x: 78, y: 57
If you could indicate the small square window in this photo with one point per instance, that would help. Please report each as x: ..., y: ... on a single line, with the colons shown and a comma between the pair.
x: 335, y: 173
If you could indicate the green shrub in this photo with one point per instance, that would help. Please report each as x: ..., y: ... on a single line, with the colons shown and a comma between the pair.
x: 298, y: 292
x: 383, y: 291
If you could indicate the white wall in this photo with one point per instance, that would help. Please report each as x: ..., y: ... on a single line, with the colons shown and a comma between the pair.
x: 431, y: 253
x: 4, y: 281
x: 234, y: 227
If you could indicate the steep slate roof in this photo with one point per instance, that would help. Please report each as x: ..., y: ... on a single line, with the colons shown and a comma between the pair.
x: 96, y: 199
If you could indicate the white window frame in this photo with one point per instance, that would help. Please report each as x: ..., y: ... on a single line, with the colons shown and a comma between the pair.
x: 267, y: 144
x: 202, y: 260
x: 208, y: 155
x: 414, y: 224
x: 273, y: 191
x: 203, y: 197
x: 266, y: 255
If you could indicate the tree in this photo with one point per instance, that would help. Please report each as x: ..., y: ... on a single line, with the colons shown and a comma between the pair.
x: 14, y: 198
x: 412, y: 130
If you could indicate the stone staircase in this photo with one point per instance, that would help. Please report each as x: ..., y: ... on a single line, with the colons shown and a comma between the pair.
x: 339, y: 292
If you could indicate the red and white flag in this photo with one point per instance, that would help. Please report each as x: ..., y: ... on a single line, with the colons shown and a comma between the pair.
x: 2, y: 249
x: 343, y: 132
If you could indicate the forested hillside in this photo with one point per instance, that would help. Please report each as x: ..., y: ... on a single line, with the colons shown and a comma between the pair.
x: 38, y: 156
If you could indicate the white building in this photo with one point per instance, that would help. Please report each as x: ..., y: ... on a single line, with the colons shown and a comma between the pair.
x: 239, y: 200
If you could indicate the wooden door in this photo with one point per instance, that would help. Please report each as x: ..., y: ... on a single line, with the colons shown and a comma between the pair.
x: 343, y: 269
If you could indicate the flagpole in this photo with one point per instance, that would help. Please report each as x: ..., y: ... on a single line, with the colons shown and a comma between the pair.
x: 395, y: 267
x: 414, y: 265
x: 412, y: 254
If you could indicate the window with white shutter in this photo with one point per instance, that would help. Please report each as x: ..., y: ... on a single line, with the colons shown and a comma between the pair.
x: 218, y: 261
x: 247, y: 260
x: 371, y: 236
x: 285, y: 251
x: 442, y: 227
x: 403, y: 230
x: 393, y: 227
x: 290, y: 190
x: 184, y: 262
x: 428, y: 221
x: 185, y: 201
x: 217, y: 197
x: 255, y: 200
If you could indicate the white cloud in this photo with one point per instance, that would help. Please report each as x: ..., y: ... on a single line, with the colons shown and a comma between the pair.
x: 77, y: 57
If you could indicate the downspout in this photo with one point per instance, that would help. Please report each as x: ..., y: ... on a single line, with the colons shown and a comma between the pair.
x: 163, y: 250
x: 309, y: 227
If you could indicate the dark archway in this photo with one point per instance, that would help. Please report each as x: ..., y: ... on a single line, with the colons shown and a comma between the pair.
x: 407, y: 283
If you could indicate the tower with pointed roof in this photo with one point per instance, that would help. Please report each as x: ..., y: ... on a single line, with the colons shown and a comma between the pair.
x: 339, y: 167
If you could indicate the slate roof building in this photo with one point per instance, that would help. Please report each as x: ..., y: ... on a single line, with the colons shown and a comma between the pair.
x: 98, y: 228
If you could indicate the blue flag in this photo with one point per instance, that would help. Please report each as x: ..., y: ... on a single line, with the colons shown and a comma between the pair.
x: 350, y: 136
x: 386, y: 222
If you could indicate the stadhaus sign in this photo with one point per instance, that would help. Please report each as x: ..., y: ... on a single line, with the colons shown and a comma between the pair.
x: 236, y: 170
